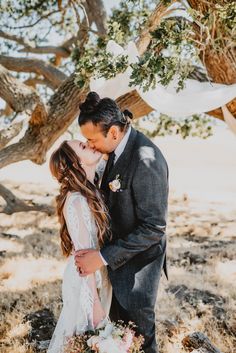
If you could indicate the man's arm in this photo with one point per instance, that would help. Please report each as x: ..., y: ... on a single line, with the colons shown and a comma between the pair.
x: 150, y: 189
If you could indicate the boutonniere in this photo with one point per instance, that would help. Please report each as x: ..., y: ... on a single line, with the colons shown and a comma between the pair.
x: 115, y: 184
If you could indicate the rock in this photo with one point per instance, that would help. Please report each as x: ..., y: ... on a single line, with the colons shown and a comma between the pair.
x: 188, y: 258
x: 42, y: 326
x: 10, y: 236
x: 194, y: 258
x: 2, y: 253
x: 197, y: 340
x: 192, y: 296
x: 195, y: 297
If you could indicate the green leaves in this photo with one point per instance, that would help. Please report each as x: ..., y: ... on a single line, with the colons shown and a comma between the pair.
x: 194, y: 126
x: 165, y: 58
x: 99, y: 63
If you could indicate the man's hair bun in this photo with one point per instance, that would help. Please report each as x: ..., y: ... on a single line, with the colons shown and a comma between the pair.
x: 127, y: 113
x: 90, y: 104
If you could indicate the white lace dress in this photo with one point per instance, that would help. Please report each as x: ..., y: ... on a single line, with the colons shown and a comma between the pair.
x: 78, y: 293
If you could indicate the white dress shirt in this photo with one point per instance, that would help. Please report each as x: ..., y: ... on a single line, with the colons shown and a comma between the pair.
x: 118, y: 151
x: 120, y: 148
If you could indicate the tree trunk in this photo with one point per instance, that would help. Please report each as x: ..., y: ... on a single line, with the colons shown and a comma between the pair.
x: 220, y: 66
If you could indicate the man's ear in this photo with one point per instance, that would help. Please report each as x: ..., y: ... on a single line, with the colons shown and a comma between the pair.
x: 114, y: 131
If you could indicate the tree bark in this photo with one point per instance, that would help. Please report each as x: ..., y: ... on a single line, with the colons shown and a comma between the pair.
x: 97, y: 14
x: 14, y: 204
x: 220, y: 66
x: 19, y: 96
x: 8, y: 134
x: 204, y: 6
x: 63, y: 108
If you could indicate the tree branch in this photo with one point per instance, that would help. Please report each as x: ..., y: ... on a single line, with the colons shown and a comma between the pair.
x: 61, y: 50
x: 63, y: 108
x: 19, y: 96
x: 14, y: 204
x: 36, y: 22
x: 97, y: 14
x: 14, y: 38
x: 153, y: 21
x: 49, y: 72
x: 8, y: 134
x: 46, y: 49
x: 34, y: 81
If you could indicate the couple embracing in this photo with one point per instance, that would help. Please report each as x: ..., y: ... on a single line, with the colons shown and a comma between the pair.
x: 112, y: 212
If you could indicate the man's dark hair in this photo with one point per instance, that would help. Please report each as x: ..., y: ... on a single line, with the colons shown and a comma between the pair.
x: 104, y: 112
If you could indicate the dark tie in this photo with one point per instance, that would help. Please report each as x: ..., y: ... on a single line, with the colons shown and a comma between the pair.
x: 109, y: 166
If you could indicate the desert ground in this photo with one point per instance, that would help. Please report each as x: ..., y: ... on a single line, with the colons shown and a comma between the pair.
x: 200, y: 295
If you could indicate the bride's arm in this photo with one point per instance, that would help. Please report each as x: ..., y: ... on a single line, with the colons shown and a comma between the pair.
x: 81, y: 238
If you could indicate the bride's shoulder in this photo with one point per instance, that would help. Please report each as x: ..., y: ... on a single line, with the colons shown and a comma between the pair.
x: 74, y: 195
x: 73, y: 198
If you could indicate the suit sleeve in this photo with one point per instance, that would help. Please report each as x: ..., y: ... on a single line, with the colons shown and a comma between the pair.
x: 150, y: 194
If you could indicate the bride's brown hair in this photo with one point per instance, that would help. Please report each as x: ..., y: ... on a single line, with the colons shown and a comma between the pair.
x: 66, y: 167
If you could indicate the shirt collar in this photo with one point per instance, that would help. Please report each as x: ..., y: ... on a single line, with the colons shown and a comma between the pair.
x: 120, y: 148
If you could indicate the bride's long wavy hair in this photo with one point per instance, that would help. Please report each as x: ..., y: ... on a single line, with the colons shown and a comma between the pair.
x: 66, y: 167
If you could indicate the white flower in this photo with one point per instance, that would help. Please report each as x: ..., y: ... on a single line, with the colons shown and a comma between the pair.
x: 109, y: 345
x: 107, y: 330
x: 94, y: 341
x: 115, y: 185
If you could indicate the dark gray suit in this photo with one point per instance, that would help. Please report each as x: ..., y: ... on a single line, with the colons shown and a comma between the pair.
x: 136, y: 254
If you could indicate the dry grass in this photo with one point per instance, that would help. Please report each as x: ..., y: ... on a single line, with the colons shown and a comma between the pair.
x: 200, y: 295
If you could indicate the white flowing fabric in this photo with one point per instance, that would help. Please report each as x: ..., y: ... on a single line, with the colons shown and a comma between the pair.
x: 78, y: 293
x: 195, y: 98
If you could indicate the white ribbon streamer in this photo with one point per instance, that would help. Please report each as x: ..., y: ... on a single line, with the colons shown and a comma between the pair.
x: 195, y: 98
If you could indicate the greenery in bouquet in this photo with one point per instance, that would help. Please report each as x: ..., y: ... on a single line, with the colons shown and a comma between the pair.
x: 112, y: 338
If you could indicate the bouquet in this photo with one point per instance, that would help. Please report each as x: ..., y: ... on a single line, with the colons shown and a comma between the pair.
x: 113, y: 338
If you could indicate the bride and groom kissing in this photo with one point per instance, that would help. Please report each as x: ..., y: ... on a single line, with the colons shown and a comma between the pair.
x: 112, y: 218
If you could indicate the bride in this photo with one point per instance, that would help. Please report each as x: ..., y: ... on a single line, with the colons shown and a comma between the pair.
x: 84, y: 223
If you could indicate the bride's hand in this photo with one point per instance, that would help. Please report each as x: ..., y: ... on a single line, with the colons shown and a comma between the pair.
x: 88, y: 261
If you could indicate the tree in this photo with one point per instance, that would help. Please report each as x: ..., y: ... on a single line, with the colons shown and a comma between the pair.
x: 46, y: 82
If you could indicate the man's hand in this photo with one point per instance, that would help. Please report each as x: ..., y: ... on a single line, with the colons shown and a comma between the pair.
x: 88, y: 261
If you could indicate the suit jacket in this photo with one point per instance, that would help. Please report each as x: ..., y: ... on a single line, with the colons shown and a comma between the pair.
x: 138, y: 213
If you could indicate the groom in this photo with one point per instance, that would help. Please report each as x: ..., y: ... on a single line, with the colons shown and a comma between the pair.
x: 135, y: 186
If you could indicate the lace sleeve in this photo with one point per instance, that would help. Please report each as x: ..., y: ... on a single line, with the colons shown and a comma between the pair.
x: 75, y: 222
